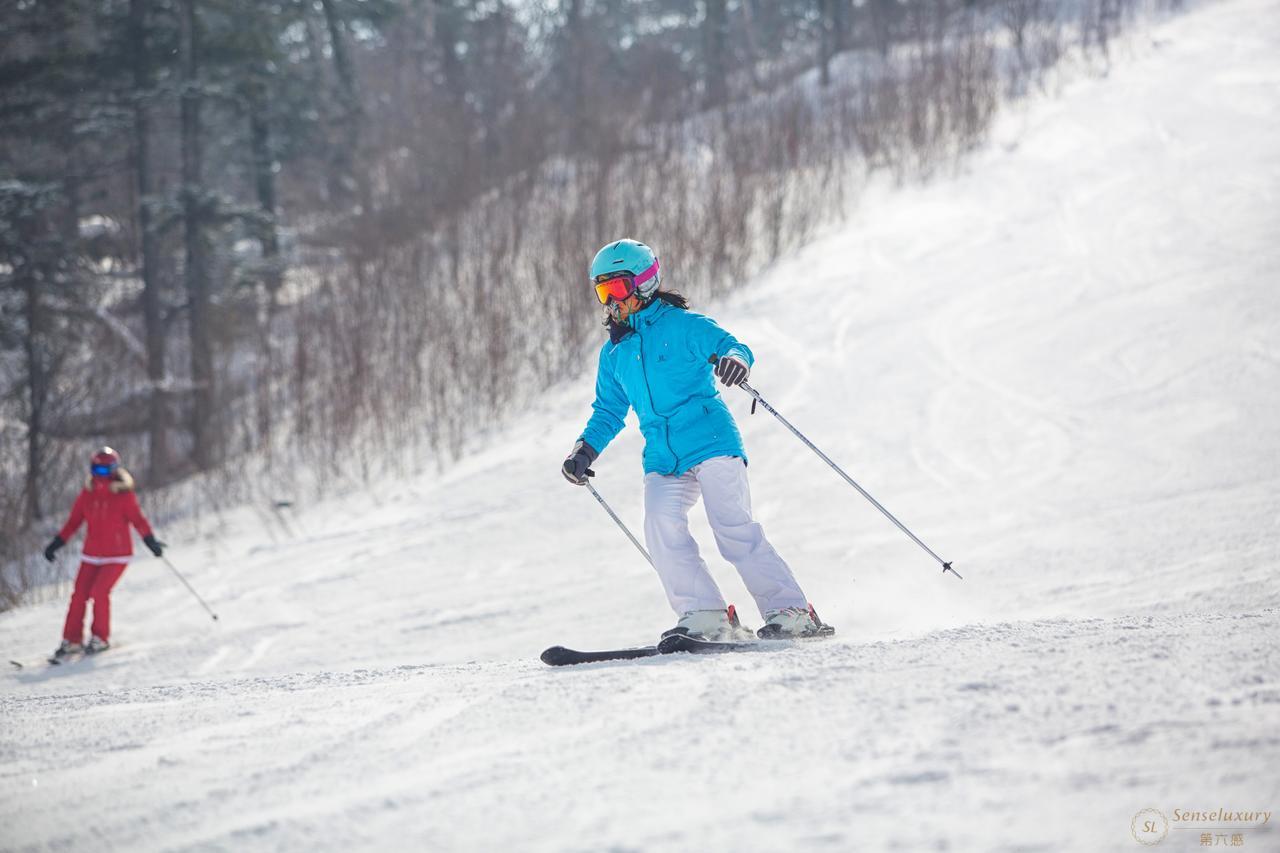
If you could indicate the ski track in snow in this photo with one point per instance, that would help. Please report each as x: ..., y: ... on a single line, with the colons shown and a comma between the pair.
x: 1058, y: 367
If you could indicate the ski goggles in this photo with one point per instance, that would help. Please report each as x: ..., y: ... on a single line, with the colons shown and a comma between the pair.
x: 618, y: 286
x: 102, y: 470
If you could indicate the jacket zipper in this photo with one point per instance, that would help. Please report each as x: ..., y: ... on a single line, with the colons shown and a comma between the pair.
x: 666, y: 422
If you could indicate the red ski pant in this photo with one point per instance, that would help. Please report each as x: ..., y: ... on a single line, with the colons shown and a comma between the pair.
x: 93, y: 582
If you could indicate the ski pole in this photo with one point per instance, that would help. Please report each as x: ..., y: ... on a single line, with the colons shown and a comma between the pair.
x: 946, y: 566
x: 189, y: 588
x: 617, y: 520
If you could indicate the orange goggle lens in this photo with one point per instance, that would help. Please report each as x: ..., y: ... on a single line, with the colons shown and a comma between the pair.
x: 616, y: 289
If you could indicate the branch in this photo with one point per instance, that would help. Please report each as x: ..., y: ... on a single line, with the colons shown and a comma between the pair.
x: 129, y: 415
x: 115, y: 327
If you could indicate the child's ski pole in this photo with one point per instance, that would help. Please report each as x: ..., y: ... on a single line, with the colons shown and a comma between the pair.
x: 189, y: 587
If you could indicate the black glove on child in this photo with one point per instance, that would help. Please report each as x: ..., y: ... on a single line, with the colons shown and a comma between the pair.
x: 731, y: 370
x: 576, y: 467
x: 156, y: 546
x: 53, y: 547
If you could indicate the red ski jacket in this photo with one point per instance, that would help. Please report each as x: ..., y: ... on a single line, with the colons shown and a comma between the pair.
x: 109, y: 506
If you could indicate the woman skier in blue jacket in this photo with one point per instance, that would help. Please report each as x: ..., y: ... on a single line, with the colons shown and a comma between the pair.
x: 658, y: 360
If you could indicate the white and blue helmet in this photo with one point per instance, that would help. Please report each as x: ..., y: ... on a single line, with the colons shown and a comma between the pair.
x: 628, y: 257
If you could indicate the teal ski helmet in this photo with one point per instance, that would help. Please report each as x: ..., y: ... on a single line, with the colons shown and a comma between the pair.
x: 628, y: 257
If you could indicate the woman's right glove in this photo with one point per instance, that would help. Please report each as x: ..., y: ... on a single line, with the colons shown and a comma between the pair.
x: 53, y: 548
x: 577, y: 466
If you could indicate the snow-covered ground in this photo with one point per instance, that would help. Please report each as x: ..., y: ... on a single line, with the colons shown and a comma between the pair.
x: 1060, y: 368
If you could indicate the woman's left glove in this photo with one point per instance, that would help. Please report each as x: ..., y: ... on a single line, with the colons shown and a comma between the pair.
x: 732, y: 370
x: 156, y: 546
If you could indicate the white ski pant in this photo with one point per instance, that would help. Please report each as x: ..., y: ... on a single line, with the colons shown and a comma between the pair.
x: 722, y: 484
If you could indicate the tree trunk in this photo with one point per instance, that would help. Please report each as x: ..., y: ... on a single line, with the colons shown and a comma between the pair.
x: 840, y: 15
x: 455, y: 82
x: 826, y: 38
x: 35, y: 390
x: 269, y: 239
x: 447, y: 35
x: 575, y: 60
x: 349, y: 95
x: 264, y: 178
x: 716, y: 29
x: 152, y: 303
x: 750, y: 42
x: 881, y: 14
x: 196, y: 271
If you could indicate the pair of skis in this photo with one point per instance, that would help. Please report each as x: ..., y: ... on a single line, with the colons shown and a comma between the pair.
x: 72, y: 657
x: 670, y: 644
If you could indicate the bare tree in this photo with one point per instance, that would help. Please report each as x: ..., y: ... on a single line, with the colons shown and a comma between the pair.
x: 716, y: 34
x: 350, y: 111
x: 195, y: 202
x: 152, y: 299
x: 826, y: 40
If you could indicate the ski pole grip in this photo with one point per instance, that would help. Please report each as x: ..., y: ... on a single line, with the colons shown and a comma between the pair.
x: 755, y: 395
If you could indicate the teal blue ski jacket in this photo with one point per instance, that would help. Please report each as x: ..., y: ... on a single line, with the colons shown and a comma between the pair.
x: 662, y: 369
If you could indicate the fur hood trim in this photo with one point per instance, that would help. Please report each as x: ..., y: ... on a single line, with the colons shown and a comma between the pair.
x: 121, y: 481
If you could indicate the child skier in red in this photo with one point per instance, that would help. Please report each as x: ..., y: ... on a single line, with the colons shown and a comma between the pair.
x: 109, y: 505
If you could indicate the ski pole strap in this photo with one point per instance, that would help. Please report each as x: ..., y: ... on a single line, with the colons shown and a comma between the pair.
x: 946, y: 566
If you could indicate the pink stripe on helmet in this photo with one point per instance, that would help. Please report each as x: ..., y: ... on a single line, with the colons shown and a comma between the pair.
x: 647, y: 274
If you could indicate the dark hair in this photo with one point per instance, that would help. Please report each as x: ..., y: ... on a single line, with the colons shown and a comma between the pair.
x: 672, y: 297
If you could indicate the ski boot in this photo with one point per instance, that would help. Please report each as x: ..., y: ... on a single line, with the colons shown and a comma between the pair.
x: 96, y: 644
x: 66, y: 649
x: 717, y: 625
x: 793, y: 623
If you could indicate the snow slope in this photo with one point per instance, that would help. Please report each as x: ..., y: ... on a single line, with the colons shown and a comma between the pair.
x: 1060, y: 368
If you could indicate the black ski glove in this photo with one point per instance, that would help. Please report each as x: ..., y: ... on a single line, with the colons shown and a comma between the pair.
x: 576, y: 467
x: 53, y: 548
x: 156, y: 546
x: 732, y: 370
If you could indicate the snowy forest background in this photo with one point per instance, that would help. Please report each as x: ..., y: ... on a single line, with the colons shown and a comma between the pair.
x: 261, y: 247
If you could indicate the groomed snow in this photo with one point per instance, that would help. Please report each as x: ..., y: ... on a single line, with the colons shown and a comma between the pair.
x: 1060, y: 368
